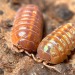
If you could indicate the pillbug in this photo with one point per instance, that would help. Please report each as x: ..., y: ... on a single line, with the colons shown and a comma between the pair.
x: 55, y: 47
x: 27, y: 28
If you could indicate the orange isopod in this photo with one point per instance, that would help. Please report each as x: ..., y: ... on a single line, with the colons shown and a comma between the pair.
x: 27, y: 29
x: 55, y: 47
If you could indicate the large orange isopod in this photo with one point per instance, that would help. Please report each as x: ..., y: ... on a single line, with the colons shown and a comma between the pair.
x: 27, y: 28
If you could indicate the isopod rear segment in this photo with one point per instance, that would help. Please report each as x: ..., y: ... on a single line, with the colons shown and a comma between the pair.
x: 28, y: 28
x: 55, y: 47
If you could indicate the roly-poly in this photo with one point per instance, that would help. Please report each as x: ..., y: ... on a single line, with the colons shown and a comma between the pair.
x: 27, y: 28
x: 55, y: 47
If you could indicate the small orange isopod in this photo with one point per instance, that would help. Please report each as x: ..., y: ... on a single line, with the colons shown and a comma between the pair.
x: 55, y: 47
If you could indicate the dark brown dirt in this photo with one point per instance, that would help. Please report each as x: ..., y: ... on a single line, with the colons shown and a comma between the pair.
x: 56, y: 13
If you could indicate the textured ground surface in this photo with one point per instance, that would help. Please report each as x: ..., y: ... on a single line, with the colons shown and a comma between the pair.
x: 56, y: 13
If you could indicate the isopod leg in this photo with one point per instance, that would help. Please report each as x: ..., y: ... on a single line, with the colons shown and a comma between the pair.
x: 51, y: 67
x: 28, y: 53
x: 37, y: 60
x: 32, y: 55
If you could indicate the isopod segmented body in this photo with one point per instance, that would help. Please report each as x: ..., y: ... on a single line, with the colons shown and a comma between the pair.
x: 27, y: 29
x: 55, y: 47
